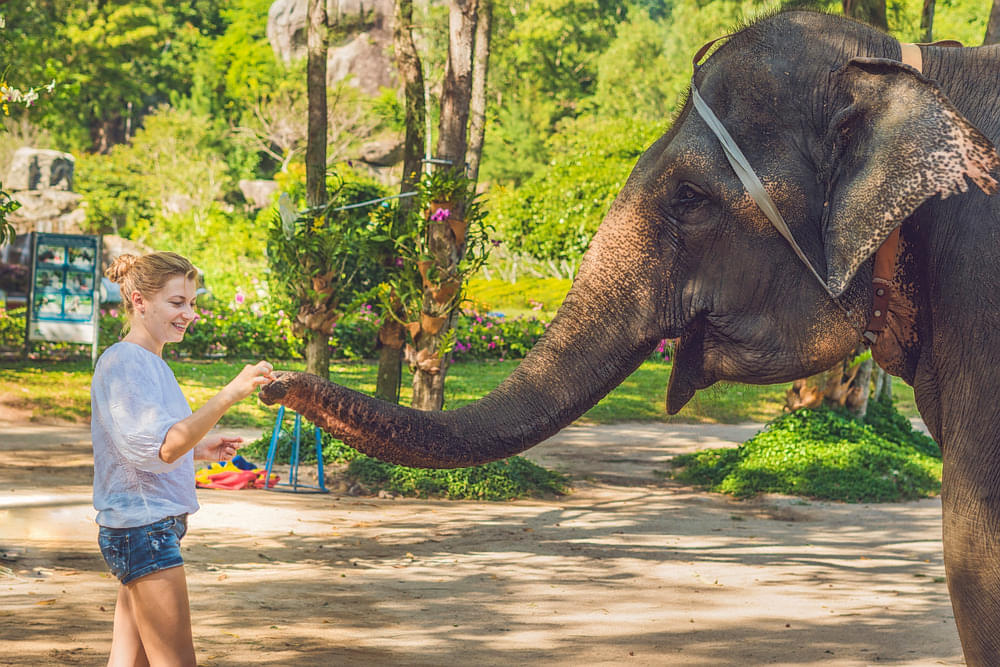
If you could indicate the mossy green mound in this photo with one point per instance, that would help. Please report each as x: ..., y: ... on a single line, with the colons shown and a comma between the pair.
x: 824, y: 454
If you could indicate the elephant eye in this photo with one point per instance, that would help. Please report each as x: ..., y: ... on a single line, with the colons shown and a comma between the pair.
x: 687, y: 196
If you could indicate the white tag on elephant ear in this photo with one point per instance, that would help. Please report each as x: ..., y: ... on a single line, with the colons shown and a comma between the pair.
x: 288, y: 215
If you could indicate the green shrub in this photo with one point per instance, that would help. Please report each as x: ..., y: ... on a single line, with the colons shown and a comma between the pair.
x: 12, y: 328
x: 511, y: 478
x: 554, y: 214
x: 824, y: 453
x: 493, y: 336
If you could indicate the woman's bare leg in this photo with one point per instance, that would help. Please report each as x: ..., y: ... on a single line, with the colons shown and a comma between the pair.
x: 159, y: 603
x: 126, y: 646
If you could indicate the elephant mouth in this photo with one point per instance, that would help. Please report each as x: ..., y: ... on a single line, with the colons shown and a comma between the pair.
x: 688, y: 374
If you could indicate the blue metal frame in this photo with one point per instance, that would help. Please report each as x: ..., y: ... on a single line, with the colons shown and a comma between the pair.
x: 293, y: 485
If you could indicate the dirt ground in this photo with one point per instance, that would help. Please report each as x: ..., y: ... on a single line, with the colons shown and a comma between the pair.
x: 629, y: 568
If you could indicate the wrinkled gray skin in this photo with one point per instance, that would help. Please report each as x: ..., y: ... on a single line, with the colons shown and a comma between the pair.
x: 850, y: 144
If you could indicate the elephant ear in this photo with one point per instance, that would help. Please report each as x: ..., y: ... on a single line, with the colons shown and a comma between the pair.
x: 897, y: 143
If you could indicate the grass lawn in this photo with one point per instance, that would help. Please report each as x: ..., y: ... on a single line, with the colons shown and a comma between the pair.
x: 61, y: 389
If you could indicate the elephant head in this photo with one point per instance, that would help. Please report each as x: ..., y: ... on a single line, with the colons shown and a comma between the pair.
x: 846, y: 140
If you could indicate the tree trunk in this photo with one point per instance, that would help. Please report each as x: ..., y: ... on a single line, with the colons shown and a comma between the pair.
x: 456, y: 90
x: 318, y: 353
x: 927, y: 21
x: 993, y: 26
x: 456, y: 93
x: 871, y: 12
x: 480, y: 69
x: 390, y: 362
x: 318, y: 342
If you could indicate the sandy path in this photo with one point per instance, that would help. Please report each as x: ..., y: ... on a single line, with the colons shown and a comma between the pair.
x: 628, y: 569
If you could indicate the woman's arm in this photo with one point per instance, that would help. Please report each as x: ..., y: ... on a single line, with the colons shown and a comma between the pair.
x: 187, y: 433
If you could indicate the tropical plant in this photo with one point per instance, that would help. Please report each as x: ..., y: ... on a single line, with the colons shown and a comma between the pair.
x: 325, y: 260
x: 426, y: 285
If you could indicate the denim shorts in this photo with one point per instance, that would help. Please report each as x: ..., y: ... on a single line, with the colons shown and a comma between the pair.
x: 135, y: 552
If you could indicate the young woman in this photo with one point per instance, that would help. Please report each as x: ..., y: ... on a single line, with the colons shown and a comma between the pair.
x: 145, y: 441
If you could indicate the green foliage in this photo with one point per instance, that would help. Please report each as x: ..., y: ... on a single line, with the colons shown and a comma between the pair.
x: 555, y: 213
x: 226, y: 246
x: 12, y: 328
x: 483, y: 337
x: 325, y: 260
x: 7, y: 206
x: 441, y: 243
x: 543, y: 65
x: 173, y: 165
x: 508, y: 479
x: 111, y: 61
x: 528, y: 296
x: 823, y: 454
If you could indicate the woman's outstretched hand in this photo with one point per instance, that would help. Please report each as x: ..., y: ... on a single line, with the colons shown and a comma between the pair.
x: 251, y: 377
x: 217, y: 448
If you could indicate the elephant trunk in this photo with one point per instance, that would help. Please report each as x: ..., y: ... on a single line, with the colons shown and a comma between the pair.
x: 601, y: 334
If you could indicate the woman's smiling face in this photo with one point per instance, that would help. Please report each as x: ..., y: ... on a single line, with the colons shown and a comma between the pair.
x: 165, y: 315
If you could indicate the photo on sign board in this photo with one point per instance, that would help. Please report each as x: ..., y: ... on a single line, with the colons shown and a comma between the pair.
x: 79, y: 306
x: 48, y: 279
x: 48, y: 304
x: 79, y: 281
x: 51, y: 254
x: 81, y: 258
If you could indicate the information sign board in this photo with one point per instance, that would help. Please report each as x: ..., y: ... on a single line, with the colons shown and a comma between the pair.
x: 64, y: 302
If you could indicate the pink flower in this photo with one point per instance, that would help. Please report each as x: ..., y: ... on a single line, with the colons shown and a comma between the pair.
x: 440, y: 215
x: 240, y: 298
x: 114, y: 312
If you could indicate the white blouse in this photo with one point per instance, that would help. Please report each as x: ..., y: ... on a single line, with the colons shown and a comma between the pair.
x: 134, y: 400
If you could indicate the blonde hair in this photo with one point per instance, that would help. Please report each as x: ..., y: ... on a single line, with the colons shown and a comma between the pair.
x: 147, y: 274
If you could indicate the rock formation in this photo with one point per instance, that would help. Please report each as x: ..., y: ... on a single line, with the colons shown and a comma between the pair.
x: 364, y: 54
x: 42, y: 182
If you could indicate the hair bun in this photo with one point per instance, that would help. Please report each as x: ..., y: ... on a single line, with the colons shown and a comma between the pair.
x: 120, y: 267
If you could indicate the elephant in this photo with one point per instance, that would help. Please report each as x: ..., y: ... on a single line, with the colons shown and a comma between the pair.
x: 850, y: 145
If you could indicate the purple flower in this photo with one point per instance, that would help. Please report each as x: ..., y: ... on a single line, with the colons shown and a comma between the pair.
x: 440, y: 215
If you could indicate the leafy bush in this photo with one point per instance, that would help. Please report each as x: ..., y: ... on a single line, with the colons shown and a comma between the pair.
x: 175, y: 163
x: 511, y: 478
x: 554, y: 214
x: 824, y: 453
x: 12, y: 328
x: 492, y: 336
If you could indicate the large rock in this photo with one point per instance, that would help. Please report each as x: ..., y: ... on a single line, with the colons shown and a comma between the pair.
x: 382, y: 152
x: 365, y: 53
x: 54, y: 211
x: 40, y: 169
x: 365, y: 59
x: 286, y: 29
